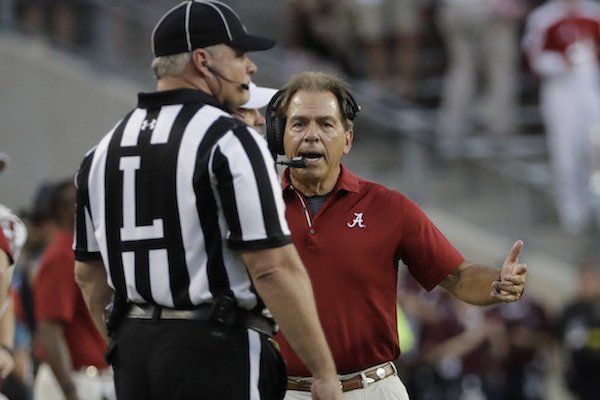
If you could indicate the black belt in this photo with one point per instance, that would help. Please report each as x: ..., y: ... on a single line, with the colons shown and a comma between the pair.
x: 237, y: 316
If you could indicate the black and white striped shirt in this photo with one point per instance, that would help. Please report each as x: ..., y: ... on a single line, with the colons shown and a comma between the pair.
x: 168, y: 197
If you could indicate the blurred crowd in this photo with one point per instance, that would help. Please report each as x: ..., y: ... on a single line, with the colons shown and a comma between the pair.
x: 56, y: 342
x: 514, y: 351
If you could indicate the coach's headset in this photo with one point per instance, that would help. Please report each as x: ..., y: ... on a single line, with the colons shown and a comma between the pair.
x: 275, y: 124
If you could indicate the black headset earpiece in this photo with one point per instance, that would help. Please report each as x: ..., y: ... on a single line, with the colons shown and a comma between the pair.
x: 275, y: 125
x: 350, y: 106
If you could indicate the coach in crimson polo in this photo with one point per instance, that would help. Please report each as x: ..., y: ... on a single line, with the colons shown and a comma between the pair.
x: 352, y: 234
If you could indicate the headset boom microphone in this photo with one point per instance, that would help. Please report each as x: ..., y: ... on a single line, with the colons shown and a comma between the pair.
x: 243, y: 85
x: 295, y: 162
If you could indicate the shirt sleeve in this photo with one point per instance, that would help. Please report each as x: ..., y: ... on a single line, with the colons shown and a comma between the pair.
x: 85, y: 245
x: 427, y: 253
x: 245, y: 180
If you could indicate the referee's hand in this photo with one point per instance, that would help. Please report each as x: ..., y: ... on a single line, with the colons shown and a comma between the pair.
x: 326, y: 389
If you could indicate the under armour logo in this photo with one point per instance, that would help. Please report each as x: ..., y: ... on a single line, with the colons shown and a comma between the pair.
x: 150, y: 125
x: 357, y: 221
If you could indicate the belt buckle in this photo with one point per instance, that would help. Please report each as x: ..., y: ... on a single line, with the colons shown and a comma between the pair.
x: 379, y: 372
x: 91, y: 371
x: 366, y: 381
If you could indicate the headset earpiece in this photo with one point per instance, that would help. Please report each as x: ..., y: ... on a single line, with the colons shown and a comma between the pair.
x: 351, y: 107
x: 275, y: 125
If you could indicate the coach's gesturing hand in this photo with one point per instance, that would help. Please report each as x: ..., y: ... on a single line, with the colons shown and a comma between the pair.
x: 511, y: 283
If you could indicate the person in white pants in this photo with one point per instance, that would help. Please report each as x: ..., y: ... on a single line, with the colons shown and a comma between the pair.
x: 562, y: 41
x: 481, y: 39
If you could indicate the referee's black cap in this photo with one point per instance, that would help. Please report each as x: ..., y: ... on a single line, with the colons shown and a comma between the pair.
x: 197, y: 24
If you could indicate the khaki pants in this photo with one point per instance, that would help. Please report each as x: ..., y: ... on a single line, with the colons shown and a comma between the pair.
x: 477, y: 41
x: 390, y: 388
x: 99, y: 386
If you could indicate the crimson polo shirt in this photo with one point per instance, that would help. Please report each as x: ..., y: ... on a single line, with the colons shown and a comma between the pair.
x: 351, y: 249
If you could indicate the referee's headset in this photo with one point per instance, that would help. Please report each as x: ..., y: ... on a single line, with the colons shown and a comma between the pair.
x: 275, y: 125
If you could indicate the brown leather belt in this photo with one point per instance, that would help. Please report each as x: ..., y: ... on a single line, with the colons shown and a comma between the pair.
x: 357, y: 382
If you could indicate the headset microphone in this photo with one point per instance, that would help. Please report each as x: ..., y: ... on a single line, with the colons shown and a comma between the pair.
x: 295, y: 162
x: 243, y: 85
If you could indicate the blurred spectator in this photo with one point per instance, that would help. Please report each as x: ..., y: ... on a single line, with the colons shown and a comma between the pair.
x: 40, y: 233
x: 13, y: 236
x: 562, y: 43
x: 481, y: 41
x: 528, y: 338
x: 65, y: 23
x: 72, y: 349
x: 41, y: 230
x: 579, y: 330
x: 460, y: 349
x: 389, y: 31
x: 468, y: 353
x: 30, y: 15
x: 19, y: 385
x: 322, y: 27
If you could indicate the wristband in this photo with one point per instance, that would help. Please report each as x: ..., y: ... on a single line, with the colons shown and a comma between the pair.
x: 8, y: 349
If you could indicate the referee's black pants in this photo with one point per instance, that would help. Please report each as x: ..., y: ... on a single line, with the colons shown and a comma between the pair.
x: 185, y: 360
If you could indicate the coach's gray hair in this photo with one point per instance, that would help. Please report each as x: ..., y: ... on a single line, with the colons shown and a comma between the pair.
x: 316, y: 82
x: 172, y: 65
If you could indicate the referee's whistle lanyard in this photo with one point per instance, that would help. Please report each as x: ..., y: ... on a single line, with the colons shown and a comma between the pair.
x: 305, y: 209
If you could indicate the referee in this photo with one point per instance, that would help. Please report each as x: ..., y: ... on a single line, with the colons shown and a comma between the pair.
x: 180, y: 221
